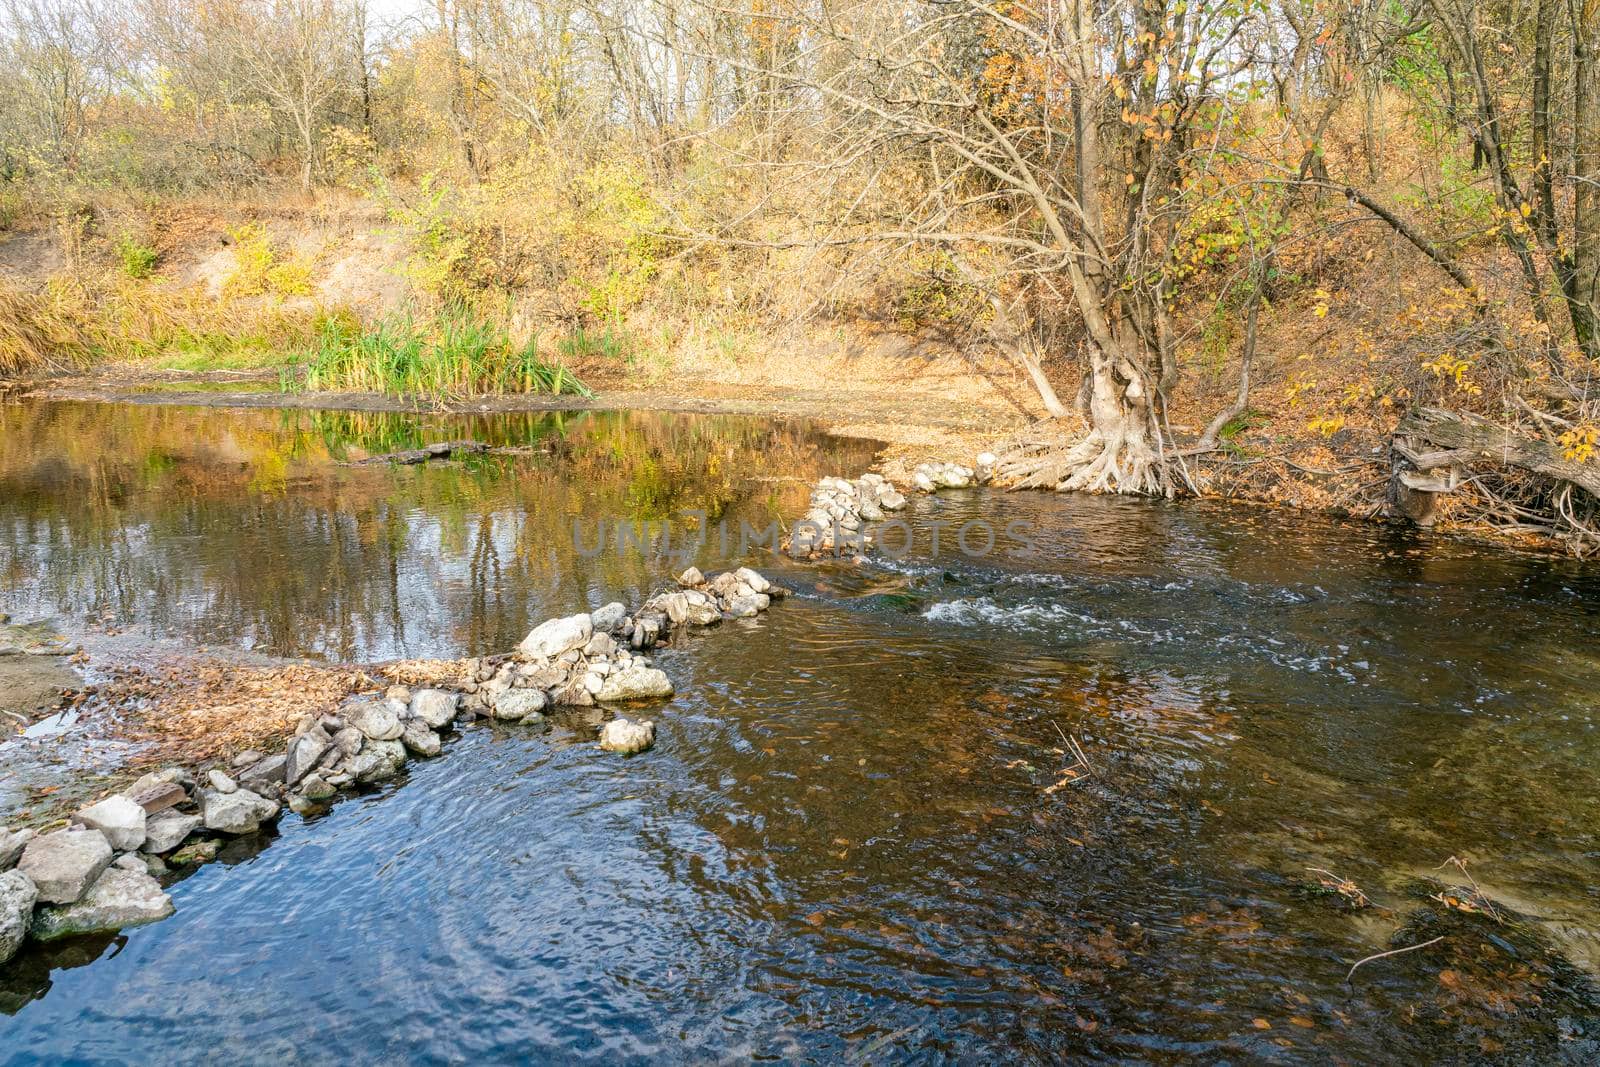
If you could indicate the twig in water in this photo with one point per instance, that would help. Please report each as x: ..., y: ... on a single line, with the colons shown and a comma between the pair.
x: 1392, y: 952
x: 1482, y: 902
x: 1343, y: 886
x: 1073, y: 773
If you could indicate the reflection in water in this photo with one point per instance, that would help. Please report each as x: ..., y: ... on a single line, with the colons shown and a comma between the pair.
x: 243, y: 530
x: 842, y: 847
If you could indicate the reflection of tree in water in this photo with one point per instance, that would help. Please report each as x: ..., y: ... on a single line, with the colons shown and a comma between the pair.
x: 243, y: 527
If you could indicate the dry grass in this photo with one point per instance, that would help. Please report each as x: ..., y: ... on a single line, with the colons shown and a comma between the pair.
x: 37, y: 333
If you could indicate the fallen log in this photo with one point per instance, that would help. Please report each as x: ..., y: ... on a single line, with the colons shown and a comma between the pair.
x: 1474, y: 436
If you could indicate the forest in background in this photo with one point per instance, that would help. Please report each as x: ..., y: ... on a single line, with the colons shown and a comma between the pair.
x: 1202, y: 231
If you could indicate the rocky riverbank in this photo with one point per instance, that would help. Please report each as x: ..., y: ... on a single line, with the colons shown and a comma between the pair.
x: 108, y: 868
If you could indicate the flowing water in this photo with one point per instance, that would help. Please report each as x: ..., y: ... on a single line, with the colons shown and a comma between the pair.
x: 849, y: 843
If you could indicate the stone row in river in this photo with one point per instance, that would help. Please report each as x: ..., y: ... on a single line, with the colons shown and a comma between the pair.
x: 101, y: 872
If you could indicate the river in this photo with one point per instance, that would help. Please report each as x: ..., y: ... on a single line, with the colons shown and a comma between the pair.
x: 855, y: 838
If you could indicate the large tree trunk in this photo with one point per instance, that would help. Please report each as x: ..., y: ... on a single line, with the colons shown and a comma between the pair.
x: 1581, y: 286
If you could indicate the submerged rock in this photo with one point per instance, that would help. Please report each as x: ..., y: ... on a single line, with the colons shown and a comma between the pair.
x: 118, y: 898
x: 435, y: 707
x: 168, y: 830
x: 63, y: 865
x: 626, y: 736
x: 635, y: 680
x: 197, y: 852
x: 550, y: 639
x: 239, y: 812
x: 120, y: 819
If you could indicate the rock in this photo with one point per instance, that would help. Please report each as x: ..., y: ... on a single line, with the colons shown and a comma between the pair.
x: 608, y: 619
x: 986, y: 463
x: 17, y: 897
x: 518, y: 705
x: 154, y: 866
x: 376, y: 719
x: 676, y: 605
x: 627, y: 736
x: 691, y: 578
x: 550, y: 639
x: 891, y: 501
x: 118, y: 898
x: 315, y: 787
x: 63, y: 865
x: 924, y: 481
x: 397, y: 694
x: 239, y: 812
x: 158, y: 797
x: 197, y: 852
x: 12, y: 842
x: 593, y: 681
x: 265, y: 772
x: 128, y: 861
x: 635, y: 681
x: 120, y: 819
x: 303, y: 755
x: 435, y: 707
x: 378, y: 761
x: 752, y: 579
x: 744, y: 607
x: 575, y: 695
x: 221, y: 782
x: 244, y: 759
x: 166, y: 831
x: 601, y: 644
x: 346, y: 743
x: 419, y: 739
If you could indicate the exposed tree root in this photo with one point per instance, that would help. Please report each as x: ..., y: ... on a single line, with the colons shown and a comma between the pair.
x: 1098, y: 463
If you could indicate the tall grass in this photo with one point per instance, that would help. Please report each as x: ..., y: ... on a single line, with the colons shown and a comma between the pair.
x: 37, y: 333
x: 451, y: 354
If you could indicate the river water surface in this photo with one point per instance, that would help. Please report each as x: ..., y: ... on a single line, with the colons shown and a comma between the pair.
x: 845, y: 845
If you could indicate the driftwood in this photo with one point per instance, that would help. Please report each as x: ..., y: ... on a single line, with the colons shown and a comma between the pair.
x: 1432, y: 448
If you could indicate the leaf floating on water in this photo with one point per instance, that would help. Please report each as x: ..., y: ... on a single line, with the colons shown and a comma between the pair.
x: 1261, y: 1024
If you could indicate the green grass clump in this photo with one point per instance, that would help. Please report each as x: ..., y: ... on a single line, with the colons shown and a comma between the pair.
x: 138, y: 259
x: 451, y: 354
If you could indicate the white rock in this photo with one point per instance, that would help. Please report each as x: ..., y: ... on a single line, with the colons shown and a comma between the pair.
x: 890, y: 500
x: 601, y: 644
x: 376, y: 720
x: 550, y: 639
x: 239, y: 812
x: 17, y: 897
x: 691, y: 578
x: 119, y: 818
x: 627, y: 736
x: 753, y: 579
x: 635, y: 681
x: 922, y: 480
x: 518, y: 705
x: 219, y: 781
x: 118, y: 898
x: 744, y: 607
x: 63, y: 865
x: 168, y: 830
x: 594, y: 681
x: 435, y: 707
